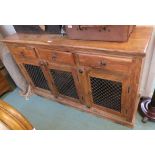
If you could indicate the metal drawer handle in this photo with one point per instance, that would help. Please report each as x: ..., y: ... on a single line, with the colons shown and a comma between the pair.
x: 41, y: 63
x: 22, y: 54
x: 54, y: 56
x: 80, y: 71
x: 45, y: 63
x: 103, y: 63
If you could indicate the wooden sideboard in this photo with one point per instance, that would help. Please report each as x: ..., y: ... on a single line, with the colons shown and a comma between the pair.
x: 94, y: 76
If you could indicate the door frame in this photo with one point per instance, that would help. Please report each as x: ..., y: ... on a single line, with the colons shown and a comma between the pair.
x: 73, y: 71
x: 28, y: 78
x: 108, y: 75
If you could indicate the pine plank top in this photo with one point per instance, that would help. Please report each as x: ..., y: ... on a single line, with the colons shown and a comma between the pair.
x: 136, y: 45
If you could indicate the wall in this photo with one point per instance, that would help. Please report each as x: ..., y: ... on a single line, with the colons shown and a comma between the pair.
x: 8, y: 60
x: 7, y: 30
x: 148, y: 74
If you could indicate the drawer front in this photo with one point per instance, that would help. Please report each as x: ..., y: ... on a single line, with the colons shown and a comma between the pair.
x: 105, y: 62
x: 23, y: 52
x: 56, y: 56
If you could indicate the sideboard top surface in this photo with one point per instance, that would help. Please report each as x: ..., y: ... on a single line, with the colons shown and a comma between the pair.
x: 136, y: 45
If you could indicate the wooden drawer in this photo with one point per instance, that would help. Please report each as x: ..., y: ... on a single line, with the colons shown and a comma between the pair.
x: 105, y: 62
x: 23, y: 52
x: 55, y: 56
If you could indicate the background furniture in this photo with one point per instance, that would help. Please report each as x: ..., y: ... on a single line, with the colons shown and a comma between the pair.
x: 53, y: 29
x: 147, y: 107
x: 98, y: 77
x: 11, y: 119
x: 4, y: 85
x: 117, y: 33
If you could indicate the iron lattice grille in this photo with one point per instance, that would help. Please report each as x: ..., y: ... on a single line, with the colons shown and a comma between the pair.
x: 36, y: 76
x: 106, y: 93
x: 65, y: 83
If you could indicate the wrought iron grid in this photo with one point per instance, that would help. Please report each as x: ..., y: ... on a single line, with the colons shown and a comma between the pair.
x: 65, y: 83
x: 106, y: 93
x: 36, y: 76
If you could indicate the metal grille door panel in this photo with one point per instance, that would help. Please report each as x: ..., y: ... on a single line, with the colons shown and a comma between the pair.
x: 36, y: 76
x: 106, y: 93
x: 65, y: 83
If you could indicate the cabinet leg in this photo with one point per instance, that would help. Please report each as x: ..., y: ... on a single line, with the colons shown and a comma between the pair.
x: 88, y: 106
x: 147, y: 110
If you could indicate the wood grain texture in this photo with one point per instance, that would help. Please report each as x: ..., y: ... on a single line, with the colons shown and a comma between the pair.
x: 105, y: 62
x: 12, y: 119
x: 55, y: 56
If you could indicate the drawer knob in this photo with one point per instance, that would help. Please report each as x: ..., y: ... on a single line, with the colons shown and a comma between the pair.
x: 80, y: 71
x: 22, y: 54
x: 54, y: 56
x: 41, y: 63
x: 102, y: 63
x: 46, y: 63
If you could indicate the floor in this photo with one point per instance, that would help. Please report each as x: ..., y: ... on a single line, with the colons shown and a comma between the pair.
x: 45, y: 114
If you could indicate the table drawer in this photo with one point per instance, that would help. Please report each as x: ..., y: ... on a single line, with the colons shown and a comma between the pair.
x: 105, y: 62
x: 55, y: 56
x: 23, y: 52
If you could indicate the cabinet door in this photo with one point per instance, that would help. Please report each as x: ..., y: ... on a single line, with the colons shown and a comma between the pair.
x: 65, y: 81
x: 109, y: 91
x: 36, y: 75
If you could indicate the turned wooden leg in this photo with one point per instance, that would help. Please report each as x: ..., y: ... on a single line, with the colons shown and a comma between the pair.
x: 148, y: 108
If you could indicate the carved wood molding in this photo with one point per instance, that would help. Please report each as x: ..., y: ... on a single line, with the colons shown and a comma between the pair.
x: 12, y: 119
